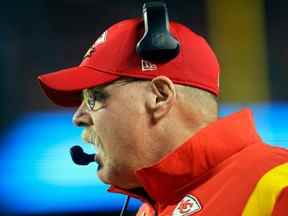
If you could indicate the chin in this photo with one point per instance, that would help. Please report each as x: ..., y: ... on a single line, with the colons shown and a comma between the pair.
x: 115, y: 179
x: 101, y: 175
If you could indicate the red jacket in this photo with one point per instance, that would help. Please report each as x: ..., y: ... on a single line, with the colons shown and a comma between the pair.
x: 223, y: 170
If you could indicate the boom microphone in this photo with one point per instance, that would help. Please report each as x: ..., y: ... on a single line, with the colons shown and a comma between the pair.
x: 79, y: 157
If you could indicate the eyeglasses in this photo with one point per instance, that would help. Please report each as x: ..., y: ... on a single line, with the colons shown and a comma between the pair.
x: 98, y: 95
x: 92, y: 97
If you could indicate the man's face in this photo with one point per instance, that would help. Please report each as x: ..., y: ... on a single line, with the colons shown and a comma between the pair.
x: 115, y: 120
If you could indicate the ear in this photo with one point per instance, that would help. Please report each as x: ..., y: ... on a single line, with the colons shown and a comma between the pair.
x: 162, y: 98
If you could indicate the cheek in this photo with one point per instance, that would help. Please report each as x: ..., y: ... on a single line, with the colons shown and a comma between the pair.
x: 116, y: 129
x: 121, y: 125
x: 112, y: 128
x: 119, y: 131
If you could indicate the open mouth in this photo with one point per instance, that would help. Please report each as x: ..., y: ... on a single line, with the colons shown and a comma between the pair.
x: 95, y: 142
x: 92, y: 139
x: 97, y: 157
x: 98, y: 161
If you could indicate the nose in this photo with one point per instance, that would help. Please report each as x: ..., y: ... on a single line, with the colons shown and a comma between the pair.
x: 82, y: 118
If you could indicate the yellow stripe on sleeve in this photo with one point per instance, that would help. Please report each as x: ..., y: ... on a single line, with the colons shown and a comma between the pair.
x: 264, y: 196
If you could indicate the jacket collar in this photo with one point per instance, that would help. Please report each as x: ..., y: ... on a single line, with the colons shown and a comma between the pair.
x: 191, y: 162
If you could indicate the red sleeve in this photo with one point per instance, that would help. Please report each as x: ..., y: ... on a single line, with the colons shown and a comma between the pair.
x: 281, y: 205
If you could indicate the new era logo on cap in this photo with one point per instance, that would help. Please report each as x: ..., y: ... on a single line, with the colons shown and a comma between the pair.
x: 148, y: 66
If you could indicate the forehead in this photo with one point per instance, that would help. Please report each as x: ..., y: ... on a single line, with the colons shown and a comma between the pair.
x: 107, y: 88
x: 102, y: 88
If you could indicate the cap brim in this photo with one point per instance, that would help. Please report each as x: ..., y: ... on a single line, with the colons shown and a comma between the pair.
x: 64, y: 87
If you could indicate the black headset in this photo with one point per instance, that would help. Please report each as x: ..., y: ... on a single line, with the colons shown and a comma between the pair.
x: 157, y: 45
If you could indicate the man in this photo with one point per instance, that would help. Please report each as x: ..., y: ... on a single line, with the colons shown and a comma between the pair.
x: 157, y: 133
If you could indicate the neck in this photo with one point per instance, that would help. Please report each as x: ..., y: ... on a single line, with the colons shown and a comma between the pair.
x: 169, y: 135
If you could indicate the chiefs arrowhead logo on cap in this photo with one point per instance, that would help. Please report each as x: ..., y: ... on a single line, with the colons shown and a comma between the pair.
x: 187, y: 206
x: 99, y: 40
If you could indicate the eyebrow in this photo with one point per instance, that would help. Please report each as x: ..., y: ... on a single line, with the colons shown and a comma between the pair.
x: 99, y: 89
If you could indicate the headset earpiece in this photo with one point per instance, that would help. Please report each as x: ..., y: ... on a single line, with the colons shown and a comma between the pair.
x: 157, y: 44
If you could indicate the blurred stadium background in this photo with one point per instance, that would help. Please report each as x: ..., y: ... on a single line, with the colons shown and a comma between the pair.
x: 37, y: 176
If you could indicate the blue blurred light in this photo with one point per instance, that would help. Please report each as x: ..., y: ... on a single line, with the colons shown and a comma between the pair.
x: 270, y: 120
x: 38, y: 175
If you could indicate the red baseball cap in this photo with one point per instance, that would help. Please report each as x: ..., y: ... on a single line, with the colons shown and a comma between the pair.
x: 114, y: 55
